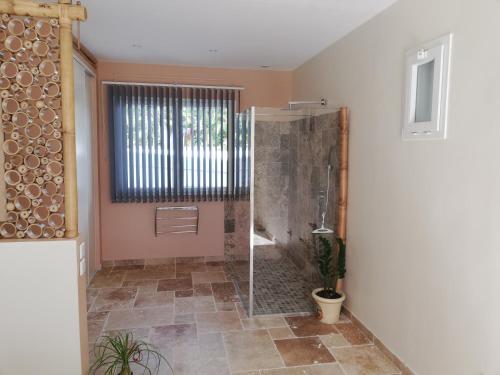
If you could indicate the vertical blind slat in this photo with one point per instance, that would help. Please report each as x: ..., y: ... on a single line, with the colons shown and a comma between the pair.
x: 216, y: 148
x: 191, y: 185
x: 112, y: 141
x: 176, y: 144
x: 156, y: 145
x: 169, y: 144
x: 198, y: 159
x: 129, y: 155
x: 209, y: 158
x: 122, y: 126
x: 204, y: 106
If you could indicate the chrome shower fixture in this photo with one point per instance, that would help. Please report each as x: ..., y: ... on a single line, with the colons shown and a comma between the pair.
x: 322, y: 102
x: 322, y: 229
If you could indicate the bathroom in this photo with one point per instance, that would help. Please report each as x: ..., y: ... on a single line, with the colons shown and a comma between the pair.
x: 250, y: 187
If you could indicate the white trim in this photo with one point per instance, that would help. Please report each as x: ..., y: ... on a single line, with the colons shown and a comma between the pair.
x: 83, y: 61
x: 438, y: 51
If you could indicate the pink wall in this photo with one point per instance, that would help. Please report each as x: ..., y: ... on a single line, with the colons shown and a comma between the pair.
x: 127, y: 230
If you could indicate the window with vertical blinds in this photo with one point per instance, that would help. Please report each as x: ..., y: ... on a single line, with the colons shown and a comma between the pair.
x: 177, y: 144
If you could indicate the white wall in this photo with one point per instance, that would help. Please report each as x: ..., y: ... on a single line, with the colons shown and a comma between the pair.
x: 43, y: 320
x: 424, y: 217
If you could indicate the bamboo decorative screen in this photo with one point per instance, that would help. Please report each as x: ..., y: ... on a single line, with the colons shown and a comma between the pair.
x: 30, y: 95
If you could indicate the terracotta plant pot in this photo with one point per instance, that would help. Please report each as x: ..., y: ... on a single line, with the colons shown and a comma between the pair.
x: 329, y: 309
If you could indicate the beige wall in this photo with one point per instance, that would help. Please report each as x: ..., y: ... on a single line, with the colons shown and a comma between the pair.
x: 424, y: 217
x: 127, y: 230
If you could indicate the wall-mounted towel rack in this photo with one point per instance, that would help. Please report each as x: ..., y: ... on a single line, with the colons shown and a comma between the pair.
x: 176, y: 220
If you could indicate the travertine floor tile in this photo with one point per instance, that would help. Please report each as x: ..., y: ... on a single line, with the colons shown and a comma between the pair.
x: 174, y: 284
x: 208, y: 277
x: 174, y: 336
x: 334, y: 340
x: 251, y: 350
x: 281, y: 333
x: 303, y: 351
x: 211, y: 345
x: 140, y: 318
x: 141, y: 284
x: 225, y: 292
x: 259, y: 323
x: 225, y: 306
x: 189, y: 305
x: 213, y: 366
x: 184, y: 293
x: 218, y: 321
x: 203, y: 289
x: 190, y: 267
x: 94, y: 329
x: 164, y: 267
x: 152, y: 298
x: 352, y: 334
x: 114, y: 299
x: 364, y: 360
x: 107, y: 281
x: 303, y: 326
x: 326, y: 369
x: 97, y: 315
x: 184, y: 318
x: 149, y: 274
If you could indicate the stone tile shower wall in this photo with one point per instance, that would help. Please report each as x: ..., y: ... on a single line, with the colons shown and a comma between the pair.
x: 291, y: 160
x: 272, y: 141
x: 236, y: 230
x: 31, y: 127
x: 312, y: 141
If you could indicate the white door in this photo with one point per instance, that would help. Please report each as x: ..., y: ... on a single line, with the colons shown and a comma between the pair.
x: 86, y: 161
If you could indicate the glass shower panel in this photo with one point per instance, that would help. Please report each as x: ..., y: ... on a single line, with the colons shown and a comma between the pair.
x: 237, y: 223
x: 292, y: 151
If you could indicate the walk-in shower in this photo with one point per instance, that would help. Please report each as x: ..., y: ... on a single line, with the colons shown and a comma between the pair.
x: 294, y: 179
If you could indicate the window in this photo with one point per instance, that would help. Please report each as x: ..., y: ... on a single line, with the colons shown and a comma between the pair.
x: 427, y: 90
x: 174, y: 144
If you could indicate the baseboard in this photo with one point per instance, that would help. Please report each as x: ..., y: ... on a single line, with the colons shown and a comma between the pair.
x: 155, y: 261
x: 378, y: 343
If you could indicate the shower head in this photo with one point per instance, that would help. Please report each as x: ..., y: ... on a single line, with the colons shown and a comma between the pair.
x: 322, y: 102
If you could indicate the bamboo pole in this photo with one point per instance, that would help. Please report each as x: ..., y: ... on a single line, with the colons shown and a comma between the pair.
x: 34, y: 9
x: 343, y: 170
x: 68, y: 121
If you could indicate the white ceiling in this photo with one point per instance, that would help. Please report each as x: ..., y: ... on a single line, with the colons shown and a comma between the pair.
x: 244, y: 33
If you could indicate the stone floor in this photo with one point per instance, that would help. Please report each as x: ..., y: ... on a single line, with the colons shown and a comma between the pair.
x: 190, y: 311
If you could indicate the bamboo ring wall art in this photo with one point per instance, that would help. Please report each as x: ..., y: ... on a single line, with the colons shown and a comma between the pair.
x: 30, y: 95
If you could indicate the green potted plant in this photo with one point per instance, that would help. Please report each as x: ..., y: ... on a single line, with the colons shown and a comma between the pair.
x: 115, y: 355
x: 331, y: 269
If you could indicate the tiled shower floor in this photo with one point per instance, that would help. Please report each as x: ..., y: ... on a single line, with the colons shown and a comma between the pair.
x: 279, y: 287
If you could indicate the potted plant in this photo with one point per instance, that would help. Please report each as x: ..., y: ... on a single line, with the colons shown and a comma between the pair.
x: 328, y: 299
x: 116, y: 354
